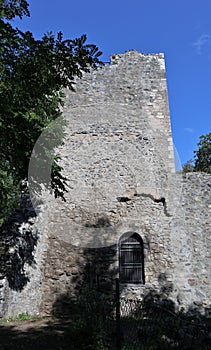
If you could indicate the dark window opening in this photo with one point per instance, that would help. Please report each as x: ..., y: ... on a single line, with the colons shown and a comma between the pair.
x: 131, y: 259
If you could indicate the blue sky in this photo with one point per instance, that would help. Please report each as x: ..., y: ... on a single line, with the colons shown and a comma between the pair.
x: 180, y: 29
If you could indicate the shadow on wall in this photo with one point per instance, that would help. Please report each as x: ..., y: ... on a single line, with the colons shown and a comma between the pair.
x: 97, y: 318
x: 98, y: 278
x: 101, y: 319
x: 18, y: 242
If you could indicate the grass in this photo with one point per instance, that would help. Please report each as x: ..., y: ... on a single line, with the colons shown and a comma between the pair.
x: 21, y: 317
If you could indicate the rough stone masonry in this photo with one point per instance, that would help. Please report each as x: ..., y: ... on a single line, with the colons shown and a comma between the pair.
x: 118, y: 158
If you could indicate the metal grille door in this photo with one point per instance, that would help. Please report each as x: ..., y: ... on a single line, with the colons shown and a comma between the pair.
x: 131, y: 263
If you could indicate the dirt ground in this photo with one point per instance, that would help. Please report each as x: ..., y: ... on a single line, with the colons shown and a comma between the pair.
x: 46, y: 334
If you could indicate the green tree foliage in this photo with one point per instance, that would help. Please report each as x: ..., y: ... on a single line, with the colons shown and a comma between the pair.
x: 188, y: 166
x: 32, y: 76
x: 11, y: 8
x: 202, y: 156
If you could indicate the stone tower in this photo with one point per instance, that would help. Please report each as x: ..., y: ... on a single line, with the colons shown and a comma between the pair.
x: 123, y: 196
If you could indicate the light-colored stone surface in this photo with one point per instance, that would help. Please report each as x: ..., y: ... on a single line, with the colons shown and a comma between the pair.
x: 118, y: 159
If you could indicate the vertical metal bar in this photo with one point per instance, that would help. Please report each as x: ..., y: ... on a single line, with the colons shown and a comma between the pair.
x: 98, y: 283
x: 118, y: 326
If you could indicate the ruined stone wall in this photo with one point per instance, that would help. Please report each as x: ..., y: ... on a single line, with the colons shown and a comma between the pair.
x: 23, y: 247
x: 176, y: 241
x: 191, y: 241
x: 182, y: 262
x: 119, y: 164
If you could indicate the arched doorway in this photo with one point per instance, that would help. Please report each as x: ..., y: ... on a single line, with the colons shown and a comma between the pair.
x: 131, y: 258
